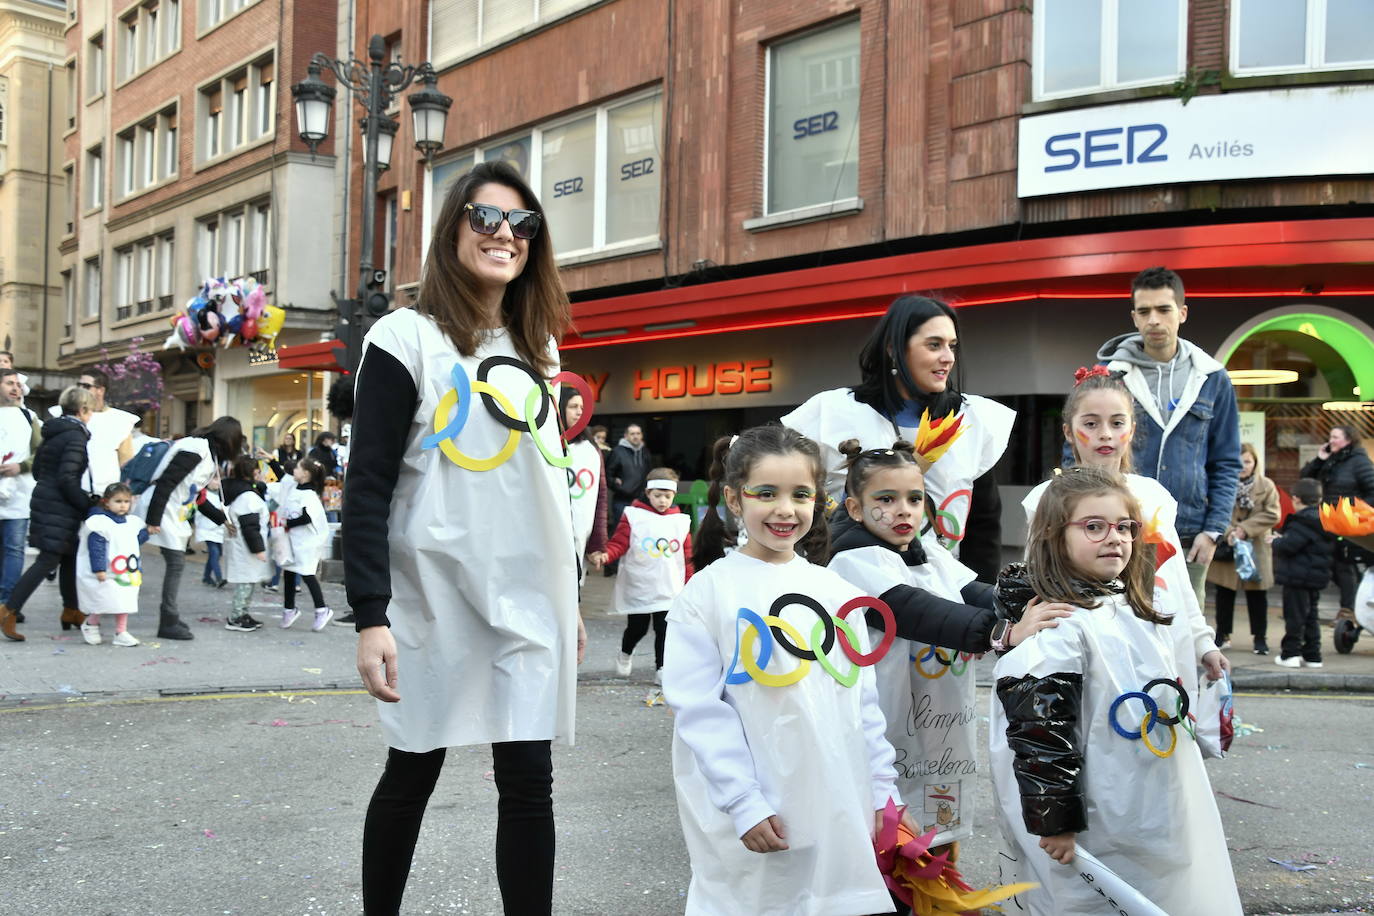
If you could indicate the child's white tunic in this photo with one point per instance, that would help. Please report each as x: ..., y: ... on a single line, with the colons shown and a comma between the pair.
x: 207, y: 531
x: 241, y: 565
x: 308, y: 542
x: 1152, y: 821
x: 927, y: 693
x: 118, y: 594
x: 812, y: 753
x: 483, y: 565
x: 654, y: 566
x: 584, y: 482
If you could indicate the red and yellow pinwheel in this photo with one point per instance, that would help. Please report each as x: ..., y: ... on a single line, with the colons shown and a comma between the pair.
x: 1348, y: 518
x: 935, y: 437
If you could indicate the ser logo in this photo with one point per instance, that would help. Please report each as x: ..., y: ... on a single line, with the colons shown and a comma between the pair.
x: 1106, y: 147
x: 567, y: 186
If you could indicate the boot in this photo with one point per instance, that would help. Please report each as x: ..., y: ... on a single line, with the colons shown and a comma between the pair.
x: 7, y: 625
x: 170, y: 626
x: 71, y: 617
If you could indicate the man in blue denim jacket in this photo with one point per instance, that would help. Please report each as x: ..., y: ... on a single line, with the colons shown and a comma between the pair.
x: 1187, y: 427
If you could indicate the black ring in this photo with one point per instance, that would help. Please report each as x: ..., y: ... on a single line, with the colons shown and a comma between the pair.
x: 495, y: 410
x: 572, y: 477
x: 1183, y: 698
x: 793, y: 598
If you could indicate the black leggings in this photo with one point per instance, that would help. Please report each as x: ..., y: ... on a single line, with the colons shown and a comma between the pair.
x: 524, y: 826
x: 1256, y: 602
x: 289, y: 596
x: 43, y: 565
x: 635, y: 628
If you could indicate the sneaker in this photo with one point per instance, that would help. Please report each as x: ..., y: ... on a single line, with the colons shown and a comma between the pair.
x: 270, y: 588
x: 1291, y: 661
x: 243, y: 623
x: 91, y: 634
x: 623, y: 665
x: 125, y: 639
x: 658, y: 676
x: 1308, y: 664
x: 347, y: 620
x: 322, y: 616
x: 1261, y: 647
x: 289, y: 615
x: 221, y: 583
x: 1224, y: 642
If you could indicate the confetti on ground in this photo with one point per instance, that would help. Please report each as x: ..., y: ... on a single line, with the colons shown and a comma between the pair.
x: 68, y: 689
x: 292, y: 698
x: 1364, y: 766
x: 59, y: 651
x: 282, y: 723
x: 655, y: 698
x: 312, y: 670
x: 210, y: 833
x: 207, y: 619
x: 163, y: 660
x: 1248, y: 801
x: 1293, y: 866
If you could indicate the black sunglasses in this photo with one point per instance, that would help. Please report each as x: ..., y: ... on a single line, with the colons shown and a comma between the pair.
x: 485, y: 219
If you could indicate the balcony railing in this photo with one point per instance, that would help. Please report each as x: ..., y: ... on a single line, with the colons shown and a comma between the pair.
x: 123, y: 311
x: 164, y: 302
x: 144, y: 307
x: 260, y: 275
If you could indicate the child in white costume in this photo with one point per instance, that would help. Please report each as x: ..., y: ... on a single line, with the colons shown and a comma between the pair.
x: 925, y: 683
x: 210, y: 532
x: 108, y: 565
x: 1099, y: 423
x: 655, y: 540
x: 1089, y: 745
x: 779, y: 768
x: 245, y: 552
x: 298, y: 502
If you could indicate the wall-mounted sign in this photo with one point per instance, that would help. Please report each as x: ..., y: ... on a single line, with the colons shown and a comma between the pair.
x: 1262, y: 134
x: 265, y: 356
x: 754, y: 376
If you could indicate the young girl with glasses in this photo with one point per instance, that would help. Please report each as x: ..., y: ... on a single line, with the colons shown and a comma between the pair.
x: 1099, y: 423
x: 1090, y: 742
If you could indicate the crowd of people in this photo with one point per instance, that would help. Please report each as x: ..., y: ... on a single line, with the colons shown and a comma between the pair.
x: 91, y: 493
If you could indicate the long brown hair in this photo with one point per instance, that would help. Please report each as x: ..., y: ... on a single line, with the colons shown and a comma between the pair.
x: 535, y: 306
x: 1052, y: 576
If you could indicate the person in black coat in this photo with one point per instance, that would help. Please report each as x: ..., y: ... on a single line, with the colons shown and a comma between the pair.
x: 324, y: 453
x: 1303, y: 561
x: 61, y: 501
x: 1344, y: 470
x: 627, y: 471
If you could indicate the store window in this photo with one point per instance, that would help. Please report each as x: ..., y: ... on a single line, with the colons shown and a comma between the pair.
x: 1086, y: 46
x: 634, y: 165
x: 813, y: 119
x: 457, y: 28
x: 569, y: 183
x: 1292, y: 36
x: 271, y: 406
x: 441, y: 178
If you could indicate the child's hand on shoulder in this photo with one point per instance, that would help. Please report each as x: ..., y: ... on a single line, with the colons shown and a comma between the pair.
x: 765, y: 836
x: 1039, y: 615
x: 100, y: 577
x: 1060, y: 847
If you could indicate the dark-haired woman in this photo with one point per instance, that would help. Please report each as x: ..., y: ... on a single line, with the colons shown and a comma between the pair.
x: 586, y: 479
x: 908, y: 367
x: 458, y: 536
x: 166, y: 506
x: 1344, y: 469
x: 287, y: 455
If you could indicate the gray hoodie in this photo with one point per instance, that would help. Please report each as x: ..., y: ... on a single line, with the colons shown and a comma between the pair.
x: 1167, y: 380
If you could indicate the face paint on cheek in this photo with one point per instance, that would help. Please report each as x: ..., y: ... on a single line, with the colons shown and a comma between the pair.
x: 880, y: 517
x: 1082, y: 437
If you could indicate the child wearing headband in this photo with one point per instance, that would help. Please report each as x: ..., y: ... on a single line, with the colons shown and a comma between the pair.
x: 655, y: 539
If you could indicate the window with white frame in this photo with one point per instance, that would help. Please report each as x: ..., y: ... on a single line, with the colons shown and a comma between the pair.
x: 95, y: 65
x: 231, y: 258
x: 235, y: 242
x: 142, y: 153
x: 813, y: 119
x: 457, y: 28
x: 123, y: 289
x: 170, y: 156
x: 212, y: 124
x: 238, y: 108
x: 69, y: 183
x: 92, y: 288
x: 259, y: 243
x: 125, y: 165
x: 1293, y: 36
x: 68, y: 304
x: 73, y: 90
x: 213, y: 12
x: 207, y: 249
x: 148, y: 34
x: 166, y: 273
x: 145, y: 276
x: 265, y: 109
x: 1086, y: 46
x: 93, y: 177
x: 128, y: 45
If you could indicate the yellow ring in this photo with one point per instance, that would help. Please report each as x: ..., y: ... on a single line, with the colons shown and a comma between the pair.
x: 448, y: 402
x: 931, y: 677
x: 746, y: 655
x: 1145, y: 738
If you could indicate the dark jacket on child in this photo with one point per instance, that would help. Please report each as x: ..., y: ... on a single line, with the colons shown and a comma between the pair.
x: 1304, y: 553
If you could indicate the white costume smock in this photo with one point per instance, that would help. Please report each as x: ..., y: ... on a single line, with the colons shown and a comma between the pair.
x: 109, y: 428
x: 308, y: 541
x: 175, y: 522
x: 812, y: 753
x: 16, y: 439
x: 240, y: 564
x: 584, y: 481
x: 483, y: 564
x: 927, y: 694
x: 654, y: 566
x: 831, y: 417
x: 1189, y: 635
x: 207, y: 530
x: 1152, y: 821
x: 118, y: 594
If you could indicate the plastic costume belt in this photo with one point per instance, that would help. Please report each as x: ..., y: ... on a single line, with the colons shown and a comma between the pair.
x: 1153, y: 717
x: 772, y: 629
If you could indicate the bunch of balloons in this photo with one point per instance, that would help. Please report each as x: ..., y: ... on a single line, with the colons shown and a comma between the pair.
x: 226, y: 312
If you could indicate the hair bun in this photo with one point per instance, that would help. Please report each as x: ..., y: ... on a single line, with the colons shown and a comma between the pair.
x: 901, y: 445
x: 850, y: 448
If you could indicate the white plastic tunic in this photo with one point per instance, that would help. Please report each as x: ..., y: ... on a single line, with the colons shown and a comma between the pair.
x: 483, y: 569
x: 307, y: 541
x: 118, y: 594
x: 1190, y: 635
x: 240, y: 564
x: 109, y: 428
x: 812, y: 753
x: 831, y: 417
x: 1151, y: 820
x: 175, y: 521
x: 584, y: 481
x: 654, y: 566
x: 16, y: 435
x: 208, y: 531
x: 927, y: 694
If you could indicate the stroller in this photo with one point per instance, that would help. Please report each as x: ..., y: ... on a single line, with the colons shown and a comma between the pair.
x: 1348, y: 631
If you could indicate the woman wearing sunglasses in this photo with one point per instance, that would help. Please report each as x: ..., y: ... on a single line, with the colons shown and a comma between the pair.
x: 458, y: 536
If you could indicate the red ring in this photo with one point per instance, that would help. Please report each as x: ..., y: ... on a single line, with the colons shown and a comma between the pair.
x: 889, y: 629
x: 579, y: 383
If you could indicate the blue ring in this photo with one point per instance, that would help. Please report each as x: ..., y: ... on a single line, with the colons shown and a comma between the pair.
x: 1150, y: 705
x: 765, y: 654
x: 459, y: 377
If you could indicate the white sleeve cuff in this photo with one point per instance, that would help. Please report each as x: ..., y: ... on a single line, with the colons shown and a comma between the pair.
x: 748, y: 811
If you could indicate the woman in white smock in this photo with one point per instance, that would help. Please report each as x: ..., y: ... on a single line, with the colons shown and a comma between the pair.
x: 906, y: 368
x: 458, y: 539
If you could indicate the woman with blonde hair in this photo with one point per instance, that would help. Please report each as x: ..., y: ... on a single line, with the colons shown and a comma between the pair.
x: 1254, y: 516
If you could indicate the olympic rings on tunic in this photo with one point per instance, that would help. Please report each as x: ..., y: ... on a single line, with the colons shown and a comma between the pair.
x: 947, y: 522
x: 748, y: 665
x: 663, y: 547
x: 951, y: 662
x: 1152, y: 715
x: 576, y: 487
x: 459, y: 398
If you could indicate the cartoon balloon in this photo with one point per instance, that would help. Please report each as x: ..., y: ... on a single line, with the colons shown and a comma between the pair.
x: 254, y: 303
x: 249, y: 329
x: 270, y: 324
x: 234, y: 325
x: 211, y: 323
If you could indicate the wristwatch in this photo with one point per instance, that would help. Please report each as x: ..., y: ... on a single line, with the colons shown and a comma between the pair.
x: 1001, y: 635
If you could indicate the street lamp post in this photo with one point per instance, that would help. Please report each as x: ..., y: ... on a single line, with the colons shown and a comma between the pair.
x: 375, y: 86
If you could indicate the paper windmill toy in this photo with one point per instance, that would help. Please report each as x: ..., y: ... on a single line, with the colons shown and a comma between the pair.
x: 1153, y: 535
x: 935, y: 437
x: 1348, y: 518
x: 929, y: 884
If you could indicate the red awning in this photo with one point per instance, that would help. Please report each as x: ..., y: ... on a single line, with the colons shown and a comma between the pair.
x: 326, y: 356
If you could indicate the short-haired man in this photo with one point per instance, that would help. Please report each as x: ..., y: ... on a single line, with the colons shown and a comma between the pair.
x: 627, y: 470
x: 111, y: 443
x: 20, y: 435
x: 1187, y: 426
x: 7, y: 362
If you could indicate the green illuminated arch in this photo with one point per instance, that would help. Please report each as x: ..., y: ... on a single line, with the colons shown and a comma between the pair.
x: 1353, y: 346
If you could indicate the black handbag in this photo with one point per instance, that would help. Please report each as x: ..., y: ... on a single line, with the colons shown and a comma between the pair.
x: 1225, y: 552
